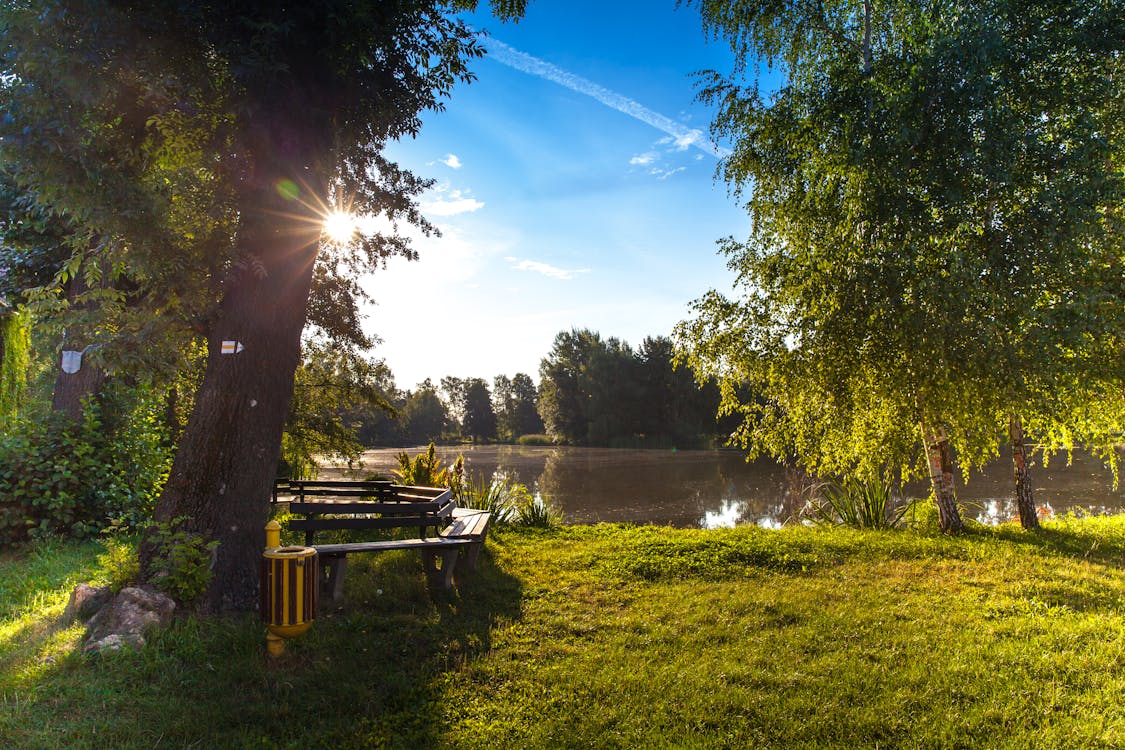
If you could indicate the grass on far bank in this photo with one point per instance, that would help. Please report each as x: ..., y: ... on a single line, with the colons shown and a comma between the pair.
x: 614, y: 636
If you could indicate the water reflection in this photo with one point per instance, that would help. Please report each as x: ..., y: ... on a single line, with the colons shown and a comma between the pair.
x: 711, y: 489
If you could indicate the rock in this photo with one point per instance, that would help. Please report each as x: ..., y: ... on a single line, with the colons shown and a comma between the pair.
x: 86, y: 601
x: 122, y: 623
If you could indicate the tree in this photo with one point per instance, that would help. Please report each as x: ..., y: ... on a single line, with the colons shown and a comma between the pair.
x: 561, y: 401
x: 934, y: 249
x: 515, y: 403
x: 677, y: 410
x: 479, y: 422
x: 330, y: 383
x: 200, y: 145
x: 425, y: 417
x: 453, y: 393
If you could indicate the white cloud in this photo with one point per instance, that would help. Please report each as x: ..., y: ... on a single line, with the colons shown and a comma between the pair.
x: 525, y: 63
x: 545, y: 269
x: 451, y: 161
x: 452, y: 207
x: 664, y: 174
x: 457, y: 203
x: 642, y: 159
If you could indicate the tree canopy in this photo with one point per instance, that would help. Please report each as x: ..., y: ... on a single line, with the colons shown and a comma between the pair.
x: 935, y: 192
x: 195, y: 149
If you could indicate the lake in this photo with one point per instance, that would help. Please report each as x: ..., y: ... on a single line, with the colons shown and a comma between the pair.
x: 709, y: 489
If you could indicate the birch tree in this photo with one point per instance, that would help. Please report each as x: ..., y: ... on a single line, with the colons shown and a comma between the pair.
x: 935, y: 253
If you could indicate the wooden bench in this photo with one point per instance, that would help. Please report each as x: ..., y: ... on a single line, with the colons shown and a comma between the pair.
x: 460, y: 532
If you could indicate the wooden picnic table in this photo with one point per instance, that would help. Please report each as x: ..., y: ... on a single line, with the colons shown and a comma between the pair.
x: 348, y: 505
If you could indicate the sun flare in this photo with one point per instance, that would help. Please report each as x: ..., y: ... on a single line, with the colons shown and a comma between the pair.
x: 339, y: 226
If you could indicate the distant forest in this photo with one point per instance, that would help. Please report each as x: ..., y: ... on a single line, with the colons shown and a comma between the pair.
x: 592, y: 391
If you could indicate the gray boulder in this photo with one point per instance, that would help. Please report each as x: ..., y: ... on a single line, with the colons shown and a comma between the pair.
x: 122, y: 623
x: 86, y: 601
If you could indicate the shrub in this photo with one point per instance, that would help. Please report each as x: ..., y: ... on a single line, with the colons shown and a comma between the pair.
x: 859, y: 503
x: 424, y: 470
x: 181, y: 563
x: 534, y: 440
x: 60, y: 477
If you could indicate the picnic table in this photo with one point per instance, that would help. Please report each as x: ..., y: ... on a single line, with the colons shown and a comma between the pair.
x: 358, y: 505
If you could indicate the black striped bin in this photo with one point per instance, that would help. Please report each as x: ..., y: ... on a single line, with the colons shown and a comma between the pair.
x: 289, y: 590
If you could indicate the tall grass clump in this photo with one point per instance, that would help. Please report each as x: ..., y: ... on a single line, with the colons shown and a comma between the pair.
x: 535, y: 510
x: 856, y: 502
x: 509, y: 501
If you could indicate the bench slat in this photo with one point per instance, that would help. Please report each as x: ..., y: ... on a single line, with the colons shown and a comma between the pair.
x: 390, y: 544
x: 343, y: 507
x: 330, y: 524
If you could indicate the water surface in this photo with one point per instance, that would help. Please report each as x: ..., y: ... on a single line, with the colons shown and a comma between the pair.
x: 708, y: 489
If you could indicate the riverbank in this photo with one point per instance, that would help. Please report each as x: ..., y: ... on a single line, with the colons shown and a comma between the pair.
x: 616, y: 636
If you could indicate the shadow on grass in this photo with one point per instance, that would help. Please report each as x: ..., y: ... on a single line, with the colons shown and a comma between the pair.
x: 372, y: 673
x: 1075, y: 543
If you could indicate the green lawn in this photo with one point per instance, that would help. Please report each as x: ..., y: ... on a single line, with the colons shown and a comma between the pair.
x: 612, y: 636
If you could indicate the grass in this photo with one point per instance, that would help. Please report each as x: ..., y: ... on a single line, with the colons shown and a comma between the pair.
x: 616, y: 636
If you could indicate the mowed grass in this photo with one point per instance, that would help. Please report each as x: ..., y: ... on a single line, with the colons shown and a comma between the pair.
x: 614, y: 636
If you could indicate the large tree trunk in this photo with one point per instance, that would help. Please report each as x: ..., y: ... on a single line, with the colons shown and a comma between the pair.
x: 939, y: 459
x: 1025, y: 499
x: 78, y: 380
x: 223, y: 473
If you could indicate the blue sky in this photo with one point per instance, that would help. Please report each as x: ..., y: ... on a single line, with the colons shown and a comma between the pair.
x: 575, y: 189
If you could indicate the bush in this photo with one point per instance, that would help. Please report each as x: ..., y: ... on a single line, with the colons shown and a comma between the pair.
x: 534, y: 440
x: 493, y: 495
x: 181, y: 562
x: 59, y: 477
x: 425, y: 470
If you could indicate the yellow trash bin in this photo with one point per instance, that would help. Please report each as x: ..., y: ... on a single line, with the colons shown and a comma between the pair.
x: 289, y: 590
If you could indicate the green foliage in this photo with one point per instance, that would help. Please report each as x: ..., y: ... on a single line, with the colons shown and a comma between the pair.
x: 515, y: 400
x: 596, y: 391
x: 181, y: 563
x: 918, y: 257
x: 535, y: 510
x: 426, y: 470
x: 855, y: 501
x: 509, y: 502
x: 329, y: 382
x: 15, y: 347
x: 496, y: 494
x: 539, y: 440
x: 119, y: 561
x: 61, y: 477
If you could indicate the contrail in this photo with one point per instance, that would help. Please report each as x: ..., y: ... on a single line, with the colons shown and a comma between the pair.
x: 525, y: 63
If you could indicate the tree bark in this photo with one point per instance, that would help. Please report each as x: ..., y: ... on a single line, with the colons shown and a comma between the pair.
x: 939, y: 460
x: 1025, y: 498
x: 224, y: 470
x: 73, y: 389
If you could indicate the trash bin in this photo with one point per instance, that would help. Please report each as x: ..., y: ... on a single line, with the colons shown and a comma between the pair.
x: 289, y: 589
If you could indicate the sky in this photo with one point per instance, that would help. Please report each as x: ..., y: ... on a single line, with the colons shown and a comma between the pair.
x: 575, y: 188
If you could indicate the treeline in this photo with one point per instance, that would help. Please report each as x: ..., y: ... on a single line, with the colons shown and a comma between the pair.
x: 592, y: 391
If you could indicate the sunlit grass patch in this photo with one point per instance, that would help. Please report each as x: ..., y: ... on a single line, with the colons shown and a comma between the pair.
x: 624, y: 636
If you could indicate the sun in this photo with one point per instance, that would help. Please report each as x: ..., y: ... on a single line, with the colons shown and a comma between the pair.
x: 340, y: 226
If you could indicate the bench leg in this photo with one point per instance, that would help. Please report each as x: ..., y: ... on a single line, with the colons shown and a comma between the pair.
x: 335, y: 567
x: 448, y: 563
x: 472, y: 553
